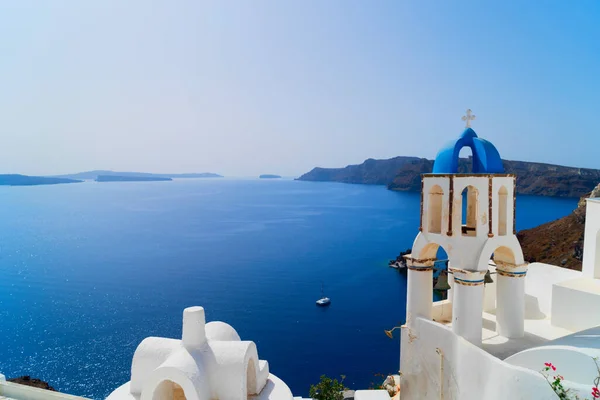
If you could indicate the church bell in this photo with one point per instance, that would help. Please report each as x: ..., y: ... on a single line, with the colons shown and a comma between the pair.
x: 488, y: 278
x: 442, y: 282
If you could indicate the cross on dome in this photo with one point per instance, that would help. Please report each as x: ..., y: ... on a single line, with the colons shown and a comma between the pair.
x: 486, y: 159
x: 468, y: 118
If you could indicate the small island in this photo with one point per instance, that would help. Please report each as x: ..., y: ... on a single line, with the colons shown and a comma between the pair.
x: 25, y: 180
x: 194, y: 175
x: 269, y: 176
x: 93, y: 175
x: 117, y: 178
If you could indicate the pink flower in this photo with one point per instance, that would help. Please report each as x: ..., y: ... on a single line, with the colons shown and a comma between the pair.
x: 549, y: 365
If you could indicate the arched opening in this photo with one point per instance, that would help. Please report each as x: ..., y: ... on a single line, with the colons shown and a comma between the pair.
x: 168, y: 390
x: 433, y: 251
x: 503, y: 255
x: 465, y: 160
x: 502, y: 210
x: 469, y: 211
x: 251, y: 378
x: 434, y: 212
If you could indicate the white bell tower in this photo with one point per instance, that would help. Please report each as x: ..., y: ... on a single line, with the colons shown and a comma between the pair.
x: 472, y: 217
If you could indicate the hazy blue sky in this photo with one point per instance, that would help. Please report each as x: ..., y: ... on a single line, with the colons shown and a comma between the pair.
x: 247, y: 87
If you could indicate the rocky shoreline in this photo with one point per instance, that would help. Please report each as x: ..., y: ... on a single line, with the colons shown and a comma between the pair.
x: 399, y: 262
x: 34, y: 382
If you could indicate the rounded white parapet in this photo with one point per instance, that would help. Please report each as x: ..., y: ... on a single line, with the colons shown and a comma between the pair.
x: 194, y: 322
x: 467, y: 305
x: 575, y: 364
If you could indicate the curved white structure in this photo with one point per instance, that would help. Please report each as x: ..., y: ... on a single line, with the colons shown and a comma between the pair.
x: 210, y: 362
x: 572, y: 355
x: 576, y: 365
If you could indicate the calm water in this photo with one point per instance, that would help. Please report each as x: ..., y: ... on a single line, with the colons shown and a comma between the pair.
x: 88, y: 270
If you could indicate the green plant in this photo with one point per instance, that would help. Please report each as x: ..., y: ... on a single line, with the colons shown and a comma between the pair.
x: 556, y: 382
x: 328, y: 389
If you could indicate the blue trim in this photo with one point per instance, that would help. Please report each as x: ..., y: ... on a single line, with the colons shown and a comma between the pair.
x: 466, y: 281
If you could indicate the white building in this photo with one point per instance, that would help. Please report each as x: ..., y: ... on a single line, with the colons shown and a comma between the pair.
x: 490, y: 341
x: 209, y: 362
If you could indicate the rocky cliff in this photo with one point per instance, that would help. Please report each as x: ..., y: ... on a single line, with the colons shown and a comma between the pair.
x: 373, y: 172
x: 404, y: 174
x: 552, y: 180
x: 558, y: 242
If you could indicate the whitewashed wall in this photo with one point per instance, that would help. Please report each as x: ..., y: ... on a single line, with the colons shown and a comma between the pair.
x: 591, y: 260
x: 460, y: 370
x: 576, y: 304
x: 538, y: 287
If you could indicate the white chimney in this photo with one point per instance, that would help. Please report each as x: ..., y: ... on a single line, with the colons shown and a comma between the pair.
x: 194, y: 321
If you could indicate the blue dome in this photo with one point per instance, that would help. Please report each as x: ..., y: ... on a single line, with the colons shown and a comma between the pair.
x: 486, y: 159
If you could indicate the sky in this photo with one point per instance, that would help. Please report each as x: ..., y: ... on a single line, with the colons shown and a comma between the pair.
x: 248, y: 87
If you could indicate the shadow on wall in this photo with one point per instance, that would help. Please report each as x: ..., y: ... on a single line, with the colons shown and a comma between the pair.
x: 532, y: 308
x: 502, y: 351
x: 489, y: 325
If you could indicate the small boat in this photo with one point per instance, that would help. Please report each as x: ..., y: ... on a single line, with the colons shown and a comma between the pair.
x: 323, y: 301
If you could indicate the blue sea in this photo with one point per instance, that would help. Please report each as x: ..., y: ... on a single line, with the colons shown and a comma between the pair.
x: 88, y: 270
